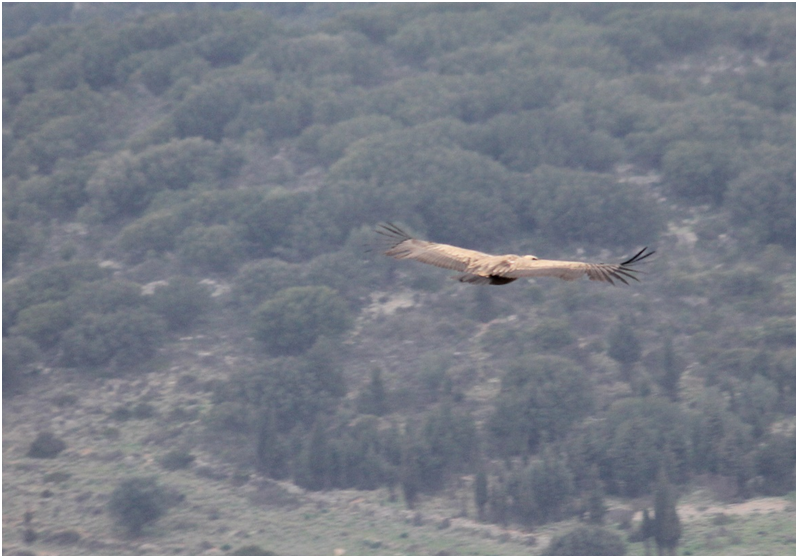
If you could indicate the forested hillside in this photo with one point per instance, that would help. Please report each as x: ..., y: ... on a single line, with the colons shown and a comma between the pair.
x: 189, y: 202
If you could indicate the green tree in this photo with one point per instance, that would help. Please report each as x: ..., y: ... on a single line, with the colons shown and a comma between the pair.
x: 624, y: 347
x: 762, y: 198
x: 125, y: 337
x: 630, y: 442
x: 719, y: 438
x: 52, y: 283
x: 44, y: 323
x: 410, y: 470
x: 18, y: 354
x: 670, y: 369
x: 459, y: 194
x: 206, y: 109
x: 569, y: 206
x: 449, y: 442
x: 291, y: 321
x: 251, y: 550
x: 667, y: 526
x: 63, y: 191
x: 647, y: 530
x: 135, y: 502
x: 775, y: 462
x: 155, y: 232
x: 484, y: 307
x: 373, y: 400
x: 126, y: 183
x: 335, y: 140
x: 755, y: 404
x: 481, y: 493
x: 271, y: 452
x: 181, y: 301
x: 266, y: 223
x: 541, y: 491
x: 46, y: 446
x: 541, y: 397
x: 261, y: 279
x: 313, y: 469
x: 217, y: 248
x: 500, y: 503
x: 16, y: 238
x: 699, y: 170
x: 104, y: 297
x: 596, y: 504
x: 551, y: 335
x: 587, y: 541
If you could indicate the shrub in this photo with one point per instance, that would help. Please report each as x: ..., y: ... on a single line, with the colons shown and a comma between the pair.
x: 775, y: 462
x: 291, y: 322
x: 333, y: 144
x: 176, y: 459
x: 63, y: 191
x: 43, y: 323
x: 125, y: 337
x: 251, y: 550
x: 587, y: 541
x: 18, y: 353
x: 542, y: 490
x: 46, y: 446
x: 136, y: 502
x: 570, y: 206
x: 552, y: 335
x: 16, y: 238
x: 104, y: 297
x: 49, y: 284
x: 261, y: 279
x: 126, y: 183
x: 181, y: 302
x: 216, y: 248
x: 762, y: 199
x: 698, y: 170
x: 154, y: 232
x: 266, y: 223
x: 540, y: 399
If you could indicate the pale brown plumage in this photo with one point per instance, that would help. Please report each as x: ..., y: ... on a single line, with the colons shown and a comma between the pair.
x: 485, y: 269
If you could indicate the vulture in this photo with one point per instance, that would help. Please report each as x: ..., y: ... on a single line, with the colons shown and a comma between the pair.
x: 479, y: 268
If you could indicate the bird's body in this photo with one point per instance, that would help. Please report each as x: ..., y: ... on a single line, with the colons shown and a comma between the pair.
x: 485, y: 269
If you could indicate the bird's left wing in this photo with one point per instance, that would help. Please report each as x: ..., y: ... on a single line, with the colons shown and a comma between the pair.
x: 403, y: 246
x: 570, y: 271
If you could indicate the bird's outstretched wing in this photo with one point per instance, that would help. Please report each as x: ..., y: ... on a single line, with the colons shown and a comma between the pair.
x: 482, y: 268
x: 570, y: 271
x: 404, y: 247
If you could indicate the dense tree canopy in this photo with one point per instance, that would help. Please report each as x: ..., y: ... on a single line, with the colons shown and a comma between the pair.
x: 213, y: 169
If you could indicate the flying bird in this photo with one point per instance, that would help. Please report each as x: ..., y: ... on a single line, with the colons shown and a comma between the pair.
x: 479, y: 268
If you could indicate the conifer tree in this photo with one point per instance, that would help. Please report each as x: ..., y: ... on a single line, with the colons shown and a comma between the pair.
x: 481, y: 493
x: 667, y: 527
x: 647, y: 530
x: 270, y: 450
x: 314, y: 462
x: 670, y: 370
x: 410, y: 475
x: 624, y: 347
x: 373, y: 401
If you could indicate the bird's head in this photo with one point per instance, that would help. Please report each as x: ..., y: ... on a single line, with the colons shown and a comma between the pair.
x: 529, y: 257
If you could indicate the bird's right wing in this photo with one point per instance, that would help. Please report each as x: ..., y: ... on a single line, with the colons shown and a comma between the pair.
x: 405, y: 247
x: 574, y: 270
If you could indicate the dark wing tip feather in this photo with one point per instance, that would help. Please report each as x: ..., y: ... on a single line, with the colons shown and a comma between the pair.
x: 640, y: 256
x: 626, y: 273
x: 390, y: 230
x: 615, y: 273
x: 394, y: 236
x: 622, y: 271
